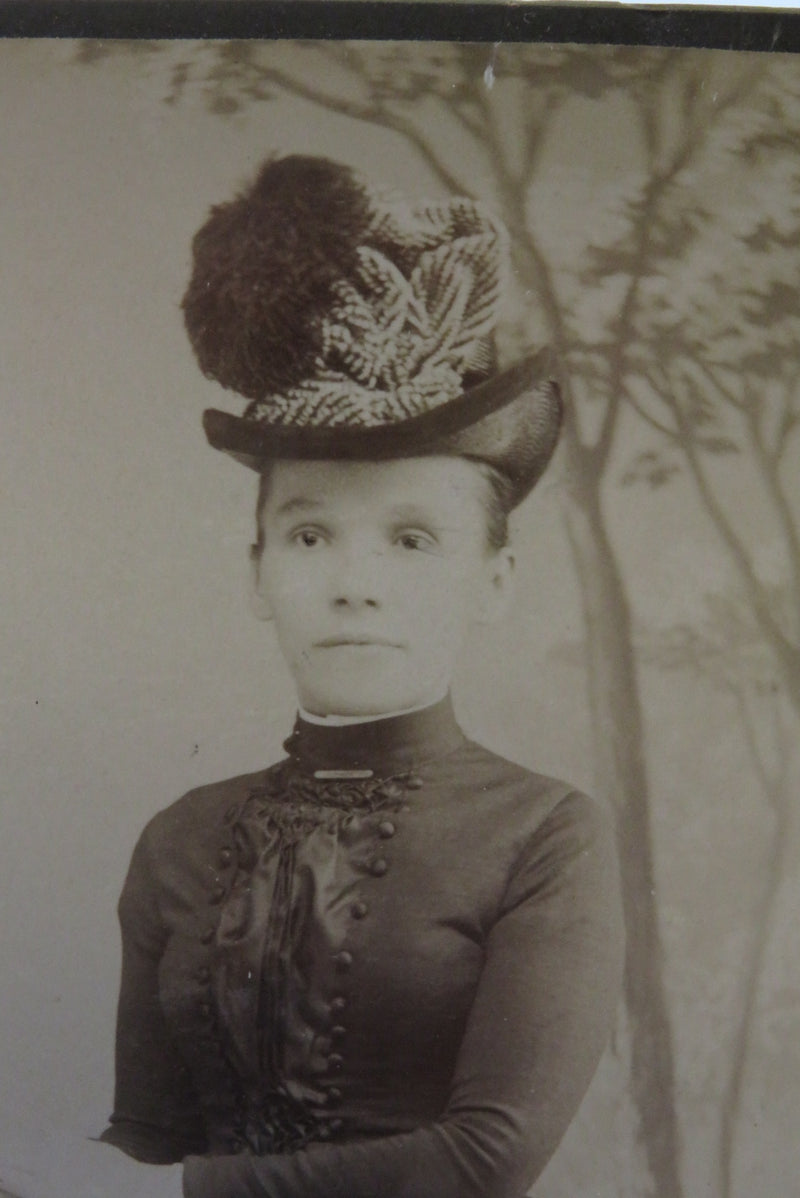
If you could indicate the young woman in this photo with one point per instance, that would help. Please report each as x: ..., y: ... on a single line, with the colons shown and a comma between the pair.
x: 386, y: 966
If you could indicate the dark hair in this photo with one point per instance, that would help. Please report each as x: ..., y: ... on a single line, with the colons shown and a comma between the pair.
x: 495, y: 500
x: 263, y: 492
x: 497, y: 503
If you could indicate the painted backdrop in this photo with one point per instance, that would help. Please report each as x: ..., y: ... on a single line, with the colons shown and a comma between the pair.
x: 654, y: 652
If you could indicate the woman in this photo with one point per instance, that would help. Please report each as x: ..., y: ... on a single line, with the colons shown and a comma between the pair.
x: 386, y: 966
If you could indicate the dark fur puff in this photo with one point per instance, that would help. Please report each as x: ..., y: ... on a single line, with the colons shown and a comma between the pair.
x: 264, y: 264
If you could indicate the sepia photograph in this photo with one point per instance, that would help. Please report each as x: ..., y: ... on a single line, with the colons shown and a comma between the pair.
x: 401, y: 619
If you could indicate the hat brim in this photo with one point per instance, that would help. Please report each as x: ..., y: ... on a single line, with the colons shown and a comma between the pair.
x: 510, y: 421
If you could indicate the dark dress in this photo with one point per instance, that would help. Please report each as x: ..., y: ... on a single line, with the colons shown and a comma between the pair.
x: 390, y: 986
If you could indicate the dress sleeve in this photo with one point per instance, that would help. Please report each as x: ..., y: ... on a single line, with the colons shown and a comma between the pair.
x: 540, y: 1019
x: 156, y: 1116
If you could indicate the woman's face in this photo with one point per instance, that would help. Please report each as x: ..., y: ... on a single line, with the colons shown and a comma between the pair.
x: 373, y: 572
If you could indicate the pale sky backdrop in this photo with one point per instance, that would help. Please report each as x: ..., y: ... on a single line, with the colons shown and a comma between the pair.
x: 132, y: 667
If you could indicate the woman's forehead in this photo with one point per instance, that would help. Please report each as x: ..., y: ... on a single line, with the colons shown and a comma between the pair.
x: 432, y: 481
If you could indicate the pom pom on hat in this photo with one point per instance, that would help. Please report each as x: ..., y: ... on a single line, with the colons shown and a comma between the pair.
x: 265, y: 266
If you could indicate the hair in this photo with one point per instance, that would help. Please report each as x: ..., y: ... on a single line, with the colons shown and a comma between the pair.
x: 264, y: 479
x: 496, y: 501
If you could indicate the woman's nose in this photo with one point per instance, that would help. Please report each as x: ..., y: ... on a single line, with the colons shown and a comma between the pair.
x: 357, y: 581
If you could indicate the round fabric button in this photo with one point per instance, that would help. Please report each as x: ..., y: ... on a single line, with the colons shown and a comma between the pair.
x: 344, y: 959
x: 391, y: 790
x: 338, y: 1004
x: 386, y: 829
x: 359, y: 909
x: 379, y: 867
x: 335, y: 1061
x: 338, y: 1031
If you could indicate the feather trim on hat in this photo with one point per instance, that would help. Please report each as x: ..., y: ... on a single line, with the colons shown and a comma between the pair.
x: 394, y: 344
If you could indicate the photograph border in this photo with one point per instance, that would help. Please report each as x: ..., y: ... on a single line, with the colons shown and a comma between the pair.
x: 418, y: 20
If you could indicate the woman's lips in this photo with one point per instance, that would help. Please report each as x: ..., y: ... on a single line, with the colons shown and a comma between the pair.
x: 354, y: 641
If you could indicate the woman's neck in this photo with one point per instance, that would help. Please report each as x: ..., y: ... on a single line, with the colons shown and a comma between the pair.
x: 385, y: 744
x: 339, y: 721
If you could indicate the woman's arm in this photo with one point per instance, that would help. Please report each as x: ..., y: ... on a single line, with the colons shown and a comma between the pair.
x: 538, y: 1025
x: 156, y: 1116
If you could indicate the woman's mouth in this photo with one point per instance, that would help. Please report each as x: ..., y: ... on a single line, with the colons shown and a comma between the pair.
x: 354, y: 640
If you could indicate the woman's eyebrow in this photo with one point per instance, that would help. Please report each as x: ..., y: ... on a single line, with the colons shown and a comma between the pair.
x: 409, y: 512
x: 298, y: 503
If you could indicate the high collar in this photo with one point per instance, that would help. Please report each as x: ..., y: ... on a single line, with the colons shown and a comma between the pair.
x: 385, y: 746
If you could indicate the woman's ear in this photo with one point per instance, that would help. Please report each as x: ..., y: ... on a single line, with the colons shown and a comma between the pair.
x: 259, y: 604
x: 499, y: 587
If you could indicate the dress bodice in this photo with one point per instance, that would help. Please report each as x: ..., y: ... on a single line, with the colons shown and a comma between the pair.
x: 392, y: 937
x: 304, y: 1040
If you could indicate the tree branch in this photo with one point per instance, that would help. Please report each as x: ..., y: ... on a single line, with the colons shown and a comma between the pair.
x: 534, y: 137
x: 787, y: 654
x: 790, y: 418
x: 372, y: 112
x: 711, y: 373
x: 663, y: 429
x: 770, y: 476
x: 660, y: 180
x: 769, y: 784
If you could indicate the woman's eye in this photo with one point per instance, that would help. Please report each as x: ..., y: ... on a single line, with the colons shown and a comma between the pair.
x: 415, y: 540
x: 307, y: 537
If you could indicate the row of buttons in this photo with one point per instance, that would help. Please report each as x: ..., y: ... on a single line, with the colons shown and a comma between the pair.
x: 207, y: 935
x: 343, y: 960
x: 216, y: 896
x: 333, y: 1096
x: 379, y: 867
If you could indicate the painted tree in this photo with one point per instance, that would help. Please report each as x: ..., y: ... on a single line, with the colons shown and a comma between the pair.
x: 726, y: 648
x: 717, y: 374
x: 717, y: 379
x: 484, y: 122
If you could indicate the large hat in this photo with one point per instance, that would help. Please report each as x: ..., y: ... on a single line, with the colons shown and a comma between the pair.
x: 359, y: 326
